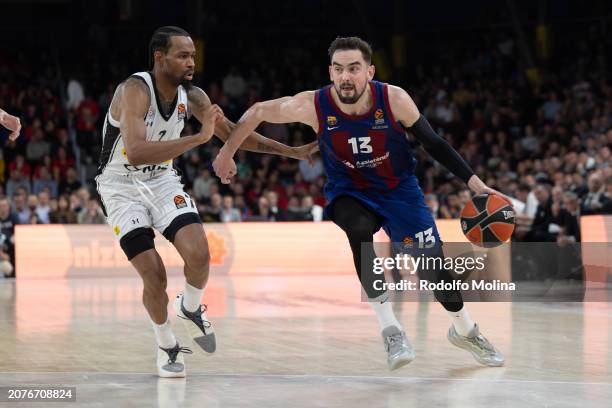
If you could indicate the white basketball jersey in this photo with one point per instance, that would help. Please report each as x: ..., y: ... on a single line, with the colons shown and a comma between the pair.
x: 113, y: 158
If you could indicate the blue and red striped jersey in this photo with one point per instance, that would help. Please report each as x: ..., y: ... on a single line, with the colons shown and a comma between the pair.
x: 368, y: 151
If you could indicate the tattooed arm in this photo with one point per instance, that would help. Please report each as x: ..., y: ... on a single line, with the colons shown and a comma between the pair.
x: 255, y: 142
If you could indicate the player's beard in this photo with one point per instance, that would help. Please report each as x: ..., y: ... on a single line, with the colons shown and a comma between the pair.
x: 187, y: 84
x: 349, y: 100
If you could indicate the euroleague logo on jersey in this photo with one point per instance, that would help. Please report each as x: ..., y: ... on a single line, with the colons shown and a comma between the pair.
x: 179, y: 202
x: 150, y: 117
x: 182, y: 111
x: 379, y: 120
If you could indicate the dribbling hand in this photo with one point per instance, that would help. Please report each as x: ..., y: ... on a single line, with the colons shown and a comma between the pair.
x: 480, y: 188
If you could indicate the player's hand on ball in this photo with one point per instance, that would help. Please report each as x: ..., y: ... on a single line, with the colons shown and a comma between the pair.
x: 12, y: 123
x: 212, y: 115
x: 480, y: 188
x: 224, y: 166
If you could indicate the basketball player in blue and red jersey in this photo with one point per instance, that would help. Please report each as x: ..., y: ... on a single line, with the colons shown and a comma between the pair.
x: 361, y: 128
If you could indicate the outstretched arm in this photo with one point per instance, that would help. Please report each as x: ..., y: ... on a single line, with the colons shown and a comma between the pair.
x: 10, y: 122
x: 405, y: 111
x: 135, y: 100
x: 254, y: 142
x: 298, y: 108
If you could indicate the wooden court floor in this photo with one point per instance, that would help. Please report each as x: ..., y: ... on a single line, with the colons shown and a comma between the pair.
x: 286, y: 341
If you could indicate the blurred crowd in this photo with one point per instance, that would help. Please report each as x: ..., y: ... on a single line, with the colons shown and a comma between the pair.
x: 544, y: 140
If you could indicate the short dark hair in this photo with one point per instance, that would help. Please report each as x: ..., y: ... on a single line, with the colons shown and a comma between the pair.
x: 351, y: 43
x: 160, y: 40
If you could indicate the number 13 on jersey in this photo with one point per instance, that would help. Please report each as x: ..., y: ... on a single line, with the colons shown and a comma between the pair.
x: 360, y: 144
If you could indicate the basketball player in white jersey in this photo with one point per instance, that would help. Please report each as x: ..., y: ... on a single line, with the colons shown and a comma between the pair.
x: 140, y: 191
x: 10, y: 122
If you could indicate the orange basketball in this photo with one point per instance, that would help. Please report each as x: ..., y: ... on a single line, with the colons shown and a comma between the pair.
x: 487, y: 220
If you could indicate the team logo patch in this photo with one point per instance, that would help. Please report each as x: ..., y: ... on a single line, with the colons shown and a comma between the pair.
x: 379, y: 120
x: 123, y: 152
x: 117, y: 230
x: 180, y: 202
x: 332, y: 121
x: 408, y: 241
x: 150, y: 117
x: 181, y: 111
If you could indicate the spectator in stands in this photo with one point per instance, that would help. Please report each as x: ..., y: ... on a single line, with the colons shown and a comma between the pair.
x: 212, y: 212
x: 61, y: 165
x: 6, y: 264
x: 540, y: 228
x: 63, y: 214
x: 37, y: 147
x: 606, y: 207
x: 15, y: 182
x: 315, y: 211
x: 8, y: 220
x: 44, y: 181
x: 202, y: 185
x: 240, y: 204
x: 92, y: 213
x: 569, y: 219
x: 276, y: 212
x: 34, y: 220
x: 594, y: 200
x: 432, y: 202
x: 551, y: 107
x: 229, y: 213
x: 87, y: 116
x: 62, y: 142
x: 234, y: 85
x: 84, y: 196
x: 22, y: 210
x: 452, y: 208
x: 310, y: 172
x: 32, y: 203
x: 20, y: 165
x: 295, y: 212
x: 43, y: 209
x: 263, y: 211
x: 71, y: 183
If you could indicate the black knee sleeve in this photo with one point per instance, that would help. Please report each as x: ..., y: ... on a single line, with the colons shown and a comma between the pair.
x: 359, y: 224
x: 137, y: 241
x: 179, y: 222
x: 451, y: 300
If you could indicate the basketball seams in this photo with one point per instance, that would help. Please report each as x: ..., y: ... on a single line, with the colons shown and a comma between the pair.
x: 491, y: 212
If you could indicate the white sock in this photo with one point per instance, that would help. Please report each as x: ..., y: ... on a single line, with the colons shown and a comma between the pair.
x: 462, y: 321
x: 384, y: 312
x: 163, y: 334
x: 192, y: 297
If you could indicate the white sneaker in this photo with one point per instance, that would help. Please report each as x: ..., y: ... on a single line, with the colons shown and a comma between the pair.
x: 170, y: 362
x: 198, y: 326
x: 399, y: 350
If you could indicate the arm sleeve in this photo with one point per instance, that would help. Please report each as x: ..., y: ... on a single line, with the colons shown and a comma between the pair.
x: 440, y: 150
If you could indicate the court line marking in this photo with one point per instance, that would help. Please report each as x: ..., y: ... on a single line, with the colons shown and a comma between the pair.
x: 321, y: 376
